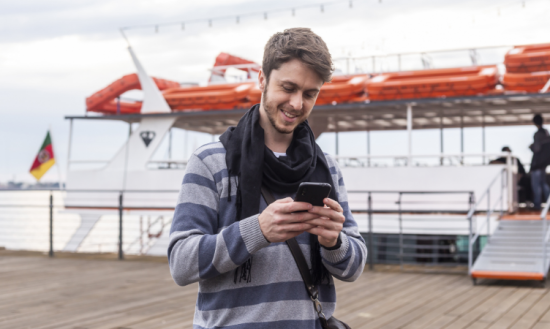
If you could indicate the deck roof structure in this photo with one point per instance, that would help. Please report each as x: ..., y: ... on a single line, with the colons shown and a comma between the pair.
x: 435, y: 113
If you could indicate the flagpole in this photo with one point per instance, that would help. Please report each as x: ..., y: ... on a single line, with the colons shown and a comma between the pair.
x: 55, y: 154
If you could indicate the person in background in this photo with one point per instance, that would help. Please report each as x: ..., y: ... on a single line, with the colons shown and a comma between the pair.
x: 524, y: 186
x: 539, y: 162
x: 502, y: 160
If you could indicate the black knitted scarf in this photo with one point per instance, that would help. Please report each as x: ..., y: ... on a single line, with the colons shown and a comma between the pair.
x: 253, y: 163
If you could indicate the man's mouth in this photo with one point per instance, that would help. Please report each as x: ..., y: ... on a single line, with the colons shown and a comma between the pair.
x: 288, y: 115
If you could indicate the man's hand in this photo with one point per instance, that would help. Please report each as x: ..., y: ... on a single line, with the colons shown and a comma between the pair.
x: 329, y: 222
x: 279, y: 222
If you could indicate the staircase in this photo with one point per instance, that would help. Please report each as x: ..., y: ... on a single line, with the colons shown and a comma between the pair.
x: 514, y: 251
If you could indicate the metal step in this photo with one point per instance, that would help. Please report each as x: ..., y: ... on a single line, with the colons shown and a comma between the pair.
x: 514, y: 251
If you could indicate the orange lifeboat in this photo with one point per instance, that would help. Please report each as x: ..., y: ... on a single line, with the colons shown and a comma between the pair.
x: 527, y: 59
x: 453, y: 82
x: 529, y: 82
x: 343, y: 89
x: 212, y: 97
x: 104, y: 101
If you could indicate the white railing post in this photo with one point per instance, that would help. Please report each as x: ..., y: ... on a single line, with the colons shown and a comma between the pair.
x: 544, y: 235
x: 509, y: 183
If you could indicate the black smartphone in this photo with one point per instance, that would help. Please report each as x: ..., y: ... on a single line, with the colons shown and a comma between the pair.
x: 313, y: 193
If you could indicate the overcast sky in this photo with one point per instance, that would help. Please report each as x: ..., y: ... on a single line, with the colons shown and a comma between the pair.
x: 53, y: 54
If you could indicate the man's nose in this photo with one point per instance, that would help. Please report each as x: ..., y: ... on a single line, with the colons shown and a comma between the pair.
x: 296, y: 101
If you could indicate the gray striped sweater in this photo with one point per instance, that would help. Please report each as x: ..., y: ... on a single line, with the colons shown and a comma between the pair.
x: 207, y: 245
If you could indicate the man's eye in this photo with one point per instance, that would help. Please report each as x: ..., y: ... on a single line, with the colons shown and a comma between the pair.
x: 310, y: 95
x: 288, y: 90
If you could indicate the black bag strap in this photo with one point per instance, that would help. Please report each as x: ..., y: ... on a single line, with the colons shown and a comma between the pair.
x: 302, y: 264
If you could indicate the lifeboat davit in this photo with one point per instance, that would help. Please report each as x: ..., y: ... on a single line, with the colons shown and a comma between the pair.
x: 527, y: 59
x: 454, y: 82
x: 104, y: 101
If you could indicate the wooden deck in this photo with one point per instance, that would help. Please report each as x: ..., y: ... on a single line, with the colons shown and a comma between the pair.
x: 38, y: 292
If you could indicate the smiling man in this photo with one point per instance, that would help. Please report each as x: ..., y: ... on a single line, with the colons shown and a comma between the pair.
x: 224, y: 234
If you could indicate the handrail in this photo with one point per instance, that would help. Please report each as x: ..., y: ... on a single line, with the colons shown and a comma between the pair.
x: 490, y: 210
x: 400, y: 211
x: 435, y: 155
x: 545, y: 235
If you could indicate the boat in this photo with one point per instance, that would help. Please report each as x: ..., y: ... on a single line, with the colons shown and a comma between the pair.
x: 528, y: 58
x: 454, y: 82
x: 408, y: 212
x: 531, y: 82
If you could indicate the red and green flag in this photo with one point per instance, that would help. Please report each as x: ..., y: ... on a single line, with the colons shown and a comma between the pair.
x: 44, y: 160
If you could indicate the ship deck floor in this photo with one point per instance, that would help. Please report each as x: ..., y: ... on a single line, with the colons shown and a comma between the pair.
x: 39, y: 292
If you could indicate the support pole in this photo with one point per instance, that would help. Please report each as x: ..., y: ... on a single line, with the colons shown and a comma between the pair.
x: 186, y: 139
x: 409, y: 133
x: 69, y: 150
x: 170, y: 144
x: 400, y: 232
x: 371, y: 235
x: 461, y: 139
x: 483, y: 138
x: 470, y: 235
x: 120, y: 210
x: 368, y: 148
x: 336, y: 141
x: 51, y: 224
x: 441, y: 138
x: 399, y: 62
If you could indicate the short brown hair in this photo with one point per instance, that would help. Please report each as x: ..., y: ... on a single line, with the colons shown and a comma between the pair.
x: 300, y: 43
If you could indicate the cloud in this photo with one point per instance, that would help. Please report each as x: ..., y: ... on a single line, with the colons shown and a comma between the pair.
x: 56, y: 53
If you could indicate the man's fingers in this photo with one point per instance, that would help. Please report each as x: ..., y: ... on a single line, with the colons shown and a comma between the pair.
x: 295, y: 217
x: 295, y: 206
x: 324, y: 233
x: 333, y: 204
x: 328, y: 212
x: 326, y: 223
x: 296, y: 227
x: 285, y: 200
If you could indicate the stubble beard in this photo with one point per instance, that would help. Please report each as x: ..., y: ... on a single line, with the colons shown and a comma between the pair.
x: 271, y: 115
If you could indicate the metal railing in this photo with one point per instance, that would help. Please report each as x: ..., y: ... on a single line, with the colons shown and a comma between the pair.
x: 545, y: 236
x: 472, y: 238
x: 396, y: 62
x: 511, y: 164
x: 407, y: 241
x: 24, y: 224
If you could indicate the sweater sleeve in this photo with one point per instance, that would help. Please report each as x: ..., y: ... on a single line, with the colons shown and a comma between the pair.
x: 347, y: 262
x: 199, y: 248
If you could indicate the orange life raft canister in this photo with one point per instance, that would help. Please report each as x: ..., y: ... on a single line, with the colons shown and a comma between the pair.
x: 104, y: 101
x: 529, y: 82
x: 526, y: 59
x: 212, y: 97
x: 453, y: 82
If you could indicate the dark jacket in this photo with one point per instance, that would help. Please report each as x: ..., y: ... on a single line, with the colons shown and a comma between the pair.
x: 541, y: 150
x: 521, y: 169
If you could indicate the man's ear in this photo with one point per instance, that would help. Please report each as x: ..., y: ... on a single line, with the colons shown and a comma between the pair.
x: 262, y: 80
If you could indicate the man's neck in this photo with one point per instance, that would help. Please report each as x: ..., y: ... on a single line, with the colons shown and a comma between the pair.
x: 274, y: 140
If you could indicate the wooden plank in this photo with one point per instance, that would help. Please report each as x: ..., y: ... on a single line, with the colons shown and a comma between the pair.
x: 536, y: 312
x: 43, y: 293
x: 471, y: 316
x: 510, y: 317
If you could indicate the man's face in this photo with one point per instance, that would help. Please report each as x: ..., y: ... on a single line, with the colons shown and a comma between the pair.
x: 290, y: 94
